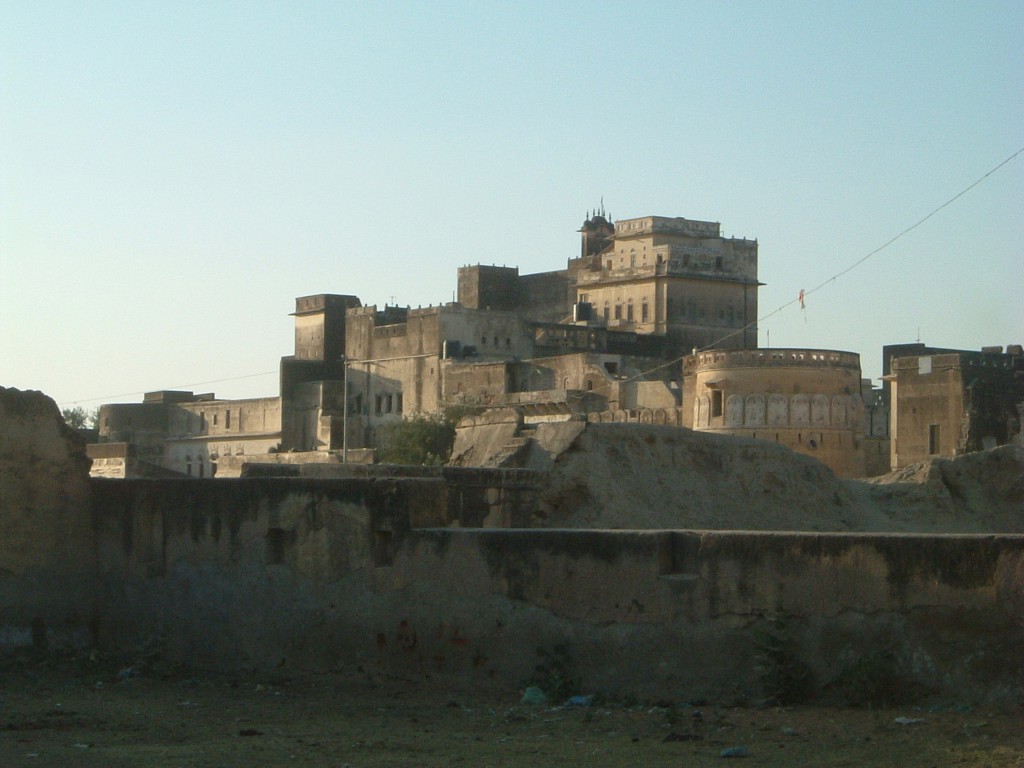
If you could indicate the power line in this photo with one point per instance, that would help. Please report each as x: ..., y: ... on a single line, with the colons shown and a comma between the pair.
x: 176, y: 386
x: 777, y: 310
x: 861, y: 260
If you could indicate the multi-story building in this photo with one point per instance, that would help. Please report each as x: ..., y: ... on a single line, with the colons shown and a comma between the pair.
x: 677, y: 278
x: 188, y: 433
x: 944, y: 404
x: 606, y: 333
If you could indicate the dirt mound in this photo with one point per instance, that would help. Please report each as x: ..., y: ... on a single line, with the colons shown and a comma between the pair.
x: 647, y: 476
x: 978, y: 492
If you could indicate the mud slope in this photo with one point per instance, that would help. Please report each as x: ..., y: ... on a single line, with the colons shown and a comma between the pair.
x: 647, y: 476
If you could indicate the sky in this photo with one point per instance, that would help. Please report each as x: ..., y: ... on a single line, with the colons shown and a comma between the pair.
x: 174, y: 175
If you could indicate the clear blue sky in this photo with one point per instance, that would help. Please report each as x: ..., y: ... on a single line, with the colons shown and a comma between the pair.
x: 173, y: 175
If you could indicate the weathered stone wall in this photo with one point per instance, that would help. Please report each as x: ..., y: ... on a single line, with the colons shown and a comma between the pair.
x: 359, y: 575
x: 47, y: 544
x: 471, y: 497
x: 313, y: 576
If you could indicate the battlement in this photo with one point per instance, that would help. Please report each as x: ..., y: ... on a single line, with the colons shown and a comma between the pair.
x: 649, y: 225
x: 761, y: 358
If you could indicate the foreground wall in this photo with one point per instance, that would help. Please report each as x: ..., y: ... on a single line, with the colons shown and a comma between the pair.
x: 360, y: 575
x: 47, y: 544
x: 336, y: 576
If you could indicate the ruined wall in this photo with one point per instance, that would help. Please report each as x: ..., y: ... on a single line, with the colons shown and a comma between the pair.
x: 47, y: 546
x: 310, y: 577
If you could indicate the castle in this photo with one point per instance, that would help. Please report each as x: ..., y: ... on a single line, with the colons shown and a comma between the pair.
x: 655, y: 320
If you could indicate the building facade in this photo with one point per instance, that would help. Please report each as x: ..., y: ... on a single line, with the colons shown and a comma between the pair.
x: 950, y: 403
x: 806, y: 399
x: 188, y: 433
x: 599, y: 335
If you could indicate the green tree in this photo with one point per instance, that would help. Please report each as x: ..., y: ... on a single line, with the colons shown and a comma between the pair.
x: 81, y: 418
x: 419, y: 439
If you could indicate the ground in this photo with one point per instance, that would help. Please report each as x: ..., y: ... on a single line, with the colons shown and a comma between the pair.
x: 71, y: 715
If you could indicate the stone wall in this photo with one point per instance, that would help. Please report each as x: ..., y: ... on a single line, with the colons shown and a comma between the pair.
x: 308, y: 576
x: 47, y: 543
x: 359, y: 575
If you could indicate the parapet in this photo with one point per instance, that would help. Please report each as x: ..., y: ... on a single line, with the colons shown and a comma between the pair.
x: 760, y: 358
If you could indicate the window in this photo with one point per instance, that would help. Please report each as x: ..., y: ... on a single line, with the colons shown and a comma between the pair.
x: 389, y: 403
x: 202, y: 421
x: 607, y: 312
x: 933, y: 439
x: 618, y: 311
x: 645, y: 314
x: 716, y: 402
x: 629, y: 310
x: 227, y: 420
x: 215, y: 419
x: 378, y: 403
x: 399, y: 403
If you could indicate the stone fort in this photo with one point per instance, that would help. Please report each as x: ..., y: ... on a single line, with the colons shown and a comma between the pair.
x: 655, y: 320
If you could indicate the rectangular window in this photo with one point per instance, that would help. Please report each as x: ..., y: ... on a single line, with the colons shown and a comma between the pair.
x: 398, y: 404
x: 933, y: 439
x: 378, y: 403
x: 215, y: 419
x: 716, y: 402
x: 227, y: 420
x: 618, y: 311
x: 389, y: 403
x: 202, y: 421
x: 644, y: 313
x: 629, y: 311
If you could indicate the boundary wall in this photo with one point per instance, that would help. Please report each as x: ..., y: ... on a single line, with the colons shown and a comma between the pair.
x: 349, y: 575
